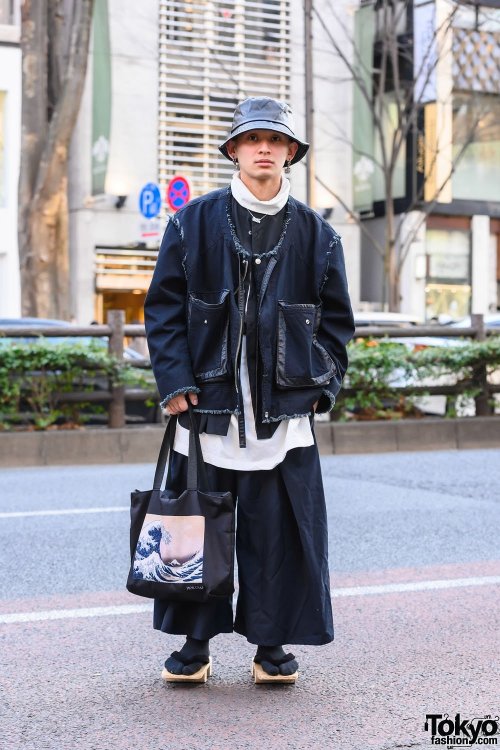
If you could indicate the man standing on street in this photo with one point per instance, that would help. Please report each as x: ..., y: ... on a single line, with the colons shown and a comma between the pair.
x: 248, y: 316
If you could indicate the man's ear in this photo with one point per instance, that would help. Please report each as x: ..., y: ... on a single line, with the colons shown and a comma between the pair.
x: 292, y: 149
x: 231, y: 148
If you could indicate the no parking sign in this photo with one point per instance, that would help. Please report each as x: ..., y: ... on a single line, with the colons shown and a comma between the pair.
x: 178, y: 192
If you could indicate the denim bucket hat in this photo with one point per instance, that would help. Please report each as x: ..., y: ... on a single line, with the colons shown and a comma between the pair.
x: 264, y: 113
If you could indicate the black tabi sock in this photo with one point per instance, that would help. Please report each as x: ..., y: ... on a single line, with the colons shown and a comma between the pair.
x: 188, y: 660
x: 269, y: 657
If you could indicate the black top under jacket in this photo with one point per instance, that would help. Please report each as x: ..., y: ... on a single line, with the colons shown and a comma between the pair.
x: 257, y: 238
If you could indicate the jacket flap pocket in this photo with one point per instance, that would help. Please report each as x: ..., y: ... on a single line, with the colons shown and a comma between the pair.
x: 301, y: 361
x: 208, y: 324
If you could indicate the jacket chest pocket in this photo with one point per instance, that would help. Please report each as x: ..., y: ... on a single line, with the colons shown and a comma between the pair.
x: 208, y: 334
x: 301, y: 360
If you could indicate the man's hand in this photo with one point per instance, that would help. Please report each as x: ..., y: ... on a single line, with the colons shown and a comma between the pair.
x: 178, y: 404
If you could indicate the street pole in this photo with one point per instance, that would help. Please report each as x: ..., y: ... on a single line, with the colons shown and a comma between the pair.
x: 311, y: 175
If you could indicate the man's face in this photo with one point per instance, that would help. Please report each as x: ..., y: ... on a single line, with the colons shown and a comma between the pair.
x: 262, y: 154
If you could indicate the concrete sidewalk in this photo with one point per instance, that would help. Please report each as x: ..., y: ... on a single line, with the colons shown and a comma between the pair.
x: 100, y: 445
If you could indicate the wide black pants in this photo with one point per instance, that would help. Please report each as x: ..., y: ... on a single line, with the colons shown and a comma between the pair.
x: 282, y: 555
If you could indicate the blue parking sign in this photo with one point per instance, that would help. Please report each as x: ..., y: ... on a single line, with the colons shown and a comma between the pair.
x: 150, y: 200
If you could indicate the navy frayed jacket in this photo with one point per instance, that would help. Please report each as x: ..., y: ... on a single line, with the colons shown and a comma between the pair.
x: 194, y: 312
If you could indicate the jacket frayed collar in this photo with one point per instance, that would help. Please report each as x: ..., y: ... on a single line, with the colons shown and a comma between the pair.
x: 283, y: 241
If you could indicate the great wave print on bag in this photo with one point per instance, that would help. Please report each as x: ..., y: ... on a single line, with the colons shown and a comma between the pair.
x: 170, y: 549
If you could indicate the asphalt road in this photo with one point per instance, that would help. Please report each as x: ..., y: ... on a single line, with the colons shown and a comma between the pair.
x: 415, y: 569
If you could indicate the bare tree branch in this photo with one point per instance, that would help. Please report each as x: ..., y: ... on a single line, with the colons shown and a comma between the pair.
x: 395, y: 105
x: 429, y: 206
x: 351, y: 68
x: 378, y: 247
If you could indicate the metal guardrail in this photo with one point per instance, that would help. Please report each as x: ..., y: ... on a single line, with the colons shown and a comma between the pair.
x: 116, y: 330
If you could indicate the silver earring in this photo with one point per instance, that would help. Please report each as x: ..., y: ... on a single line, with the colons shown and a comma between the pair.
x: 235, y: 162
x: 287, y: 166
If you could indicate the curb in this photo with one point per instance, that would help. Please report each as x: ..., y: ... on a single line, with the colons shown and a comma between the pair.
x: 141, y: 444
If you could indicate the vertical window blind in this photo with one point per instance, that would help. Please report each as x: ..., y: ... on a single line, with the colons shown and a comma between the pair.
x: 212, y: 55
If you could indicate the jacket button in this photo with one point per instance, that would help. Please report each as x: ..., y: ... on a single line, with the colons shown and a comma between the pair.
x: 206, y: 322
x: 307, y: 321
x: 266, y: 414
x: 258, y: 261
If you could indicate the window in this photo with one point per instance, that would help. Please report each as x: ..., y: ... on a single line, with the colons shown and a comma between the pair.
x: 448, y: 290
x: 179, y: 22
x: 478, y: 17
x: 476, y: 146
x: 7, y: 13
x: 213, y: 55
x: 389, y: 122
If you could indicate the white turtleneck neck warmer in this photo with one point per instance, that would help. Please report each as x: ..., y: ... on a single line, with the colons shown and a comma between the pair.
x: 248, y: 200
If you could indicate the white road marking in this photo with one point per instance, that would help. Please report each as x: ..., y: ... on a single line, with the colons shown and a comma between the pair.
x: 63, y: 512
x: 135, y: 609
x: 391, y: 588
x: 69, y: 614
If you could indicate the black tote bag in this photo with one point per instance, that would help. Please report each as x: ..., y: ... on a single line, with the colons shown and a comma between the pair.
x: 182, y: 548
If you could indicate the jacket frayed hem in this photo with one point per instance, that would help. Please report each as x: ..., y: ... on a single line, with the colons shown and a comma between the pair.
x: 283, y: 417
x: 331, y: 398
x: 189, y: 389
x: 216, y: 411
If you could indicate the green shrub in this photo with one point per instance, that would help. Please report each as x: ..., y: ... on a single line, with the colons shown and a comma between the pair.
x: 379, y: 368
x: 33, y: 375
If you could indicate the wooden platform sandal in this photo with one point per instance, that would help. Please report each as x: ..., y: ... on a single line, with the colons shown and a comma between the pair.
x: 261, y: 677
x: 200, y: 676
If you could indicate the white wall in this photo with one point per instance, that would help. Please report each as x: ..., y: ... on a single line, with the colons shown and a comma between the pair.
x: 484, y: 292
x: 133, y: 156
x: 413, y: 276
x: 332, y: 123
x: 10, y: 82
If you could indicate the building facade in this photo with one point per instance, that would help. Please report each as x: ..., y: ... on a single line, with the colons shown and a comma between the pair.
x: 171, y: 102
x: 213, y: 55
x: 10, y: 145
x: 162, y: 82
x: 113, y: 155
x: 447, y: 181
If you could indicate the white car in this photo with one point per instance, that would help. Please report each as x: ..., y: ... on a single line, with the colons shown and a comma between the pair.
x: 491, y: 322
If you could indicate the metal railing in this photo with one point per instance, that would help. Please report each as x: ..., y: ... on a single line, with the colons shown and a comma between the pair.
x: 116, y: 330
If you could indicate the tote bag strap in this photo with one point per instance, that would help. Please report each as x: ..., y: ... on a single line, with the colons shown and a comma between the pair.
x: 197, y: 471
x: 167, y: 445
